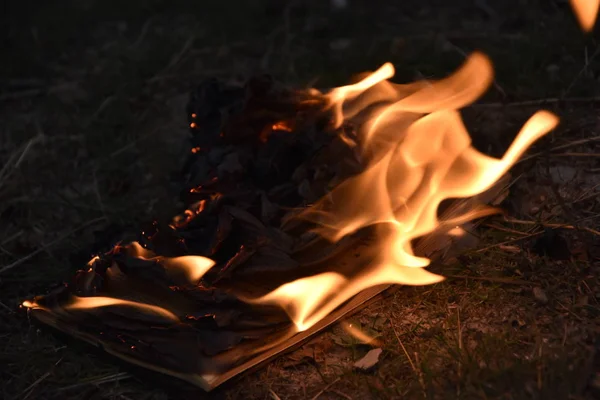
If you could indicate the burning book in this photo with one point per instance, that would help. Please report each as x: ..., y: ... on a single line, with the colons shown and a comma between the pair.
x: 300, y: 207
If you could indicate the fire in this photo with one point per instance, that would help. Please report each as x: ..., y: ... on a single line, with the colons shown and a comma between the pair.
x: 82, y: 303
x: 183, y: 269
x: 90, y: 303
x: 586, y: 12
x: 418, y: 153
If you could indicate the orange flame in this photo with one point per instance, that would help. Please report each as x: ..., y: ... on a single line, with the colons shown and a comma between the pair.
x: 360, y: 335
x: 586, y: 12
x: 81, y: 303
x: 281, y: 126
x: 419, y: 153
x: 184, y: 268
x: 86, y: 303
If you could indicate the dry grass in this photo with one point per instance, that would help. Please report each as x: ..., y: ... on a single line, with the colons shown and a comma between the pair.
x: 92, y: 108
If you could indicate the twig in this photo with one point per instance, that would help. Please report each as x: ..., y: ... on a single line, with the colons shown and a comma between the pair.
x: 274, y: 395
x: 539, y: 102
x: 490, y: 279
x: 509, y: 241
x: 52, y: 243
x: 175, y: 59
x: 7, y: 308
x: 5, y: 171
x: 585, y: 67
x: 561, y: 226
x: 420, y: 375
x: 412, y: 365
x: 460, y: 347
x: 561, y: 147
x: 105, y: 103
x: 11, y: 238
x: 98, y: 194
x: 503, y: 229
x: 539, y: 367
x: 574, y: 155
x: 316, y: 396
x: 586, y: 195
x: 344, y: 395
x: 143, y: 32
x: 569, y: 311
x: 119, y: 376
x: 36, y: 92
x: 30, y: 388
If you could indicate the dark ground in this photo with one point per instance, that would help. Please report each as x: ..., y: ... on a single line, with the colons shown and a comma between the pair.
x: 92, y: 97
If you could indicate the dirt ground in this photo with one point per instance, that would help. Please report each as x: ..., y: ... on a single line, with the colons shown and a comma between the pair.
x: 92, y: 104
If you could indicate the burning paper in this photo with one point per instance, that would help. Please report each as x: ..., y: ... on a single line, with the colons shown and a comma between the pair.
x: 257, y: 263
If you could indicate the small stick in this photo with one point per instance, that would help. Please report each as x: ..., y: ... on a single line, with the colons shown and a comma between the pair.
x: 36, y: 92
x: 325, y: 388
x: 574, y: 155
x: 52, y: 243
x: 344, y: 395
x: 11, y: 238
x: 507, y: 241
x: 104, y: 379
x: 539, y: 102
x: 420, y: 374
x: 460, y: 346
x: 412, y: 365
x: 274, y: 395
x: 143, y: 32
x: 30, y: 388
x: 562, y: 226
x: 562, y: 147
x: 7, y: 308
x: 490, y: 279
x: 582, y: 70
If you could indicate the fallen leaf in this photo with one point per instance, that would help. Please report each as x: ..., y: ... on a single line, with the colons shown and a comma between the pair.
x: 369, y: 360
x: 539, y: 295
x: 509, y: 248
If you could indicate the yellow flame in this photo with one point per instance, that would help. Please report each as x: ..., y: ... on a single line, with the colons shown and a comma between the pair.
x: 83, y: 303
x: 28, y: 304
x: 191, y: 268
x: 586, y: 12
x: 87, y: 303
x: 419, y: 153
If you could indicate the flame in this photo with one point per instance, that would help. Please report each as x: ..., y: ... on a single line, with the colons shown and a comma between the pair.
x: 189, y: 214
x: 82, y: 303
x: 281, y: 126
x: 586, y: 12
x: 86, y: 303
x: 360, y: 335
x: 190, y: 268
x: 28, y: 304
x: 418, y: 153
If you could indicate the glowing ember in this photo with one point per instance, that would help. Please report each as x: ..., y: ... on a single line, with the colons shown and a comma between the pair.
x: 281, y: 126
x: 586, y: 12
x: 419, y: 154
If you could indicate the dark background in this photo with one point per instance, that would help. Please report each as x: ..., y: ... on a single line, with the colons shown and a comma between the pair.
x: 92, y: 111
